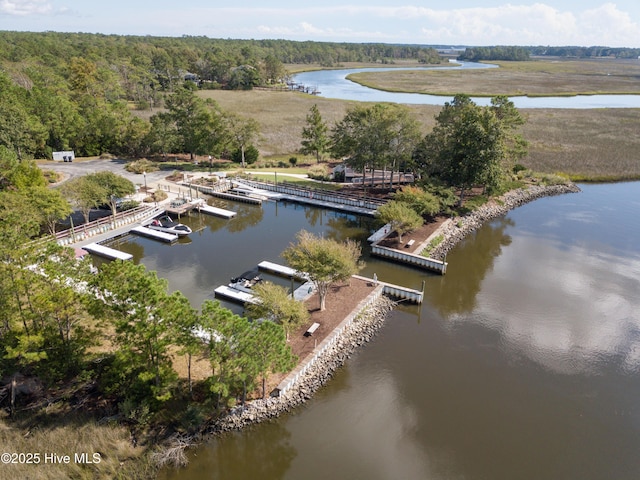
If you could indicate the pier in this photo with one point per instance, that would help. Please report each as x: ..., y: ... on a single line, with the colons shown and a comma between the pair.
x: 235, y: 295
x: 155, y: 234
x: 218, y: 212
x: 396, y: 291
x: 282, y: 270
x: 319, y: 197
x: 110, y: 253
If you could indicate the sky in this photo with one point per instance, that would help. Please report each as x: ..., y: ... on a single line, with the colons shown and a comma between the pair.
x: 453, y: 22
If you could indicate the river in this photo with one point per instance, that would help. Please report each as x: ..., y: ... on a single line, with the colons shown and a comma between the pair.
x: 523, y: 362
x: 334, y: 84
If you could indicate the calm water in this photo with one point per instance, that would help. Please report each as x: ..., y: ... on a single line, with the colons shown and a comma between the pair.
x: 334, y: 84
x: 523, y: 363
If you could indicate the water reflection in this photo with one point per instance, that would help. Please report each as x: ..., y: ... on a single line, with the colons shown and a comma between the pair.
x: 572, y: 311
x: 474, y: 257
x: 248, y: 216
x: 227, y: 456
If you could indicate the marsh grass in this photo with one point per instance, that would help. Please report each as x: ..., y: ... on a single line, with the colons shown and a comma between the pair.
x: 534, y: 78
x: 70, y: 435
x: 582, y: 144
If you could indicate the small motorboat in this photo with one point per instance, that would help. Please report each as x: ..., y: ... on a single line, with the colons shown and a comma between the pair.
x: 246, y: 281
x: 166, y: 224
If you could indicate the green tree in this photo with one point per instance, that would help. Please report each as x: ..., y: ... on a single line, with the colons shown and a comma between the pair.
x: 227, y: 334
x: 315, y: 139
x: 113, y: 188
x: 242, y: 132
x: 326, y: 261
x: 85, y: 194
x: 274, y: 70
x: 20, y: 130
x: 466, y: 146
x: 66, y: 327
x: 267, y: 351
x: 516, y: 146
x: 421, y: 201
x: 400, y: 216
x: 51, y: 206
x: 275, y: 303
x: 185, y: 322
x: 137, y: 303
x: 199, y: 125
x: 163, y: 135
x: 379, y: 136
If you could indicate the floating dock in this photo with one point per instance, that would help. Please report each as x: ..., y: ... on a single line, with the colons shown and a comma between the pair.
x: 155, y: 234
x: 233, y: 294
x: 107, y: 252
x: 218, y: 212
x: 282, y: 270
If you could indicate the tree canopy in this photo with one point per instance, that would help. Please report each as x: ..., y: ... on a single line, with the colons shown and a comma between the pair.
x: 400, y: 216
x: 380, y: 136
x: 326, y: 261
x: 471, y: 145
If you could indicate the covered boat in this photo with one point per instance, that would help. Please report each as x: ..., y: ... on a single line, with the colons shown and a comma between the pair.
x: 246, y: 281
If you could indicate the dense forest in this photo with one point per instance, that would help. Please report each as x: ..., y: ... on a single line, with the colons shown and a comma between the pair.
x: 475, y: 54
x: 585, y: 52
x: 63, y: 91
x: 511, y: 53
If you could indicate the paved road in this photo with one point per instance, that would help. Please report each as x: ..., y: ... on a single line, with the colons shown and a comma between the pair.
x: 84, y: 167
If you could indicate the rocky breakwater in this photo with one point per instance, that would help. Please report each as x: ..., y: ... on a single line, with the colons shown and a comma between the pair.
x: 359, y: 332
x: 454, y: 230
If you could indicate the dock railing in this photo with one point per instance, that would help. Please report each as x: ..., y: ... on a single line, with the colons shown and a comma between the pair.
x: 317, y: 193
x: 106, y: 224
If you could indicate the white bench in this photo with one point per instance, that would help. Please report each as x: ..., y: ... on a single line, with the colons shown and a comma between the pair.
x: 410, y: 243
x: 311, y: 329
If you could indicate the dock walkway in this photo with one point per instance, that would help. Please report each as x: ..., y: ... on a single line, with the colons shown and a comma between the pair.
x: 397, y: 291
x: 318, y: 197
x: 282, y: 270
x: 155, y: 234
x: 107, y: 252
x: 233, y: 294
x: 218, y: 212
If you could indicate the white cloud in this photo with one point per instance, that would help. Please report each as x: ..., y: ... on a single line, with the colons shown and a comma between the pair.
x: 25, y: 7
x: 537, y: 24
x: 570, y: 320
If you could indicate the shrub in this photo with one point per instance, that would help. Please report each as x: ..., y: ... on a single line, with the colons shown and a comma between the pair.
x: 140, y: 166
x: 319, y: 172
x: 293, y: 161
x: 432, y: 244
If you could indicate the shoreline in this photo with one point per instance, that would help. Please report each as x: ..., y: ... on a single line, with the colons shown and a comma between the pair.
x: 455, y: 230
x: 361, y: 331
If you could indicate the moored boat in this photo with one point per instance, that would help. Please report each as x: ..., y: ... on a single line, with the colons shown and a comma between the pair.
x: 246, y: 281
x: 168, y: 225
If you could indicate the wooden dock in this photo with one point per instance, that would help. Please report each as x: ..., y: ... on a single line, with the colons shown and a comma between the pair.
x: 155, y: 234
x: 107, y: 252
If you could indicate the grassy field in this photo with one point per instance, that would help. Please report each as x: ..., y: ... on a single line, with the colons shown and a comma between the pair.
x: 71, y: 435
x: 533, y: 78
x: 599, y: 144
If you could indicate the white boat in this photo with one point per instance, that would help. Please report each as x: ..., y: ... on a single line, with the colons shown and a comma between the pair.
x: 166, y: 224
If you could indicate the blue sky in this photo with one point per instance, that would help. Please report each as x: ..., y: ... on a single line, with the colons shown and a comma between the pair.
x: 456, y: 22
